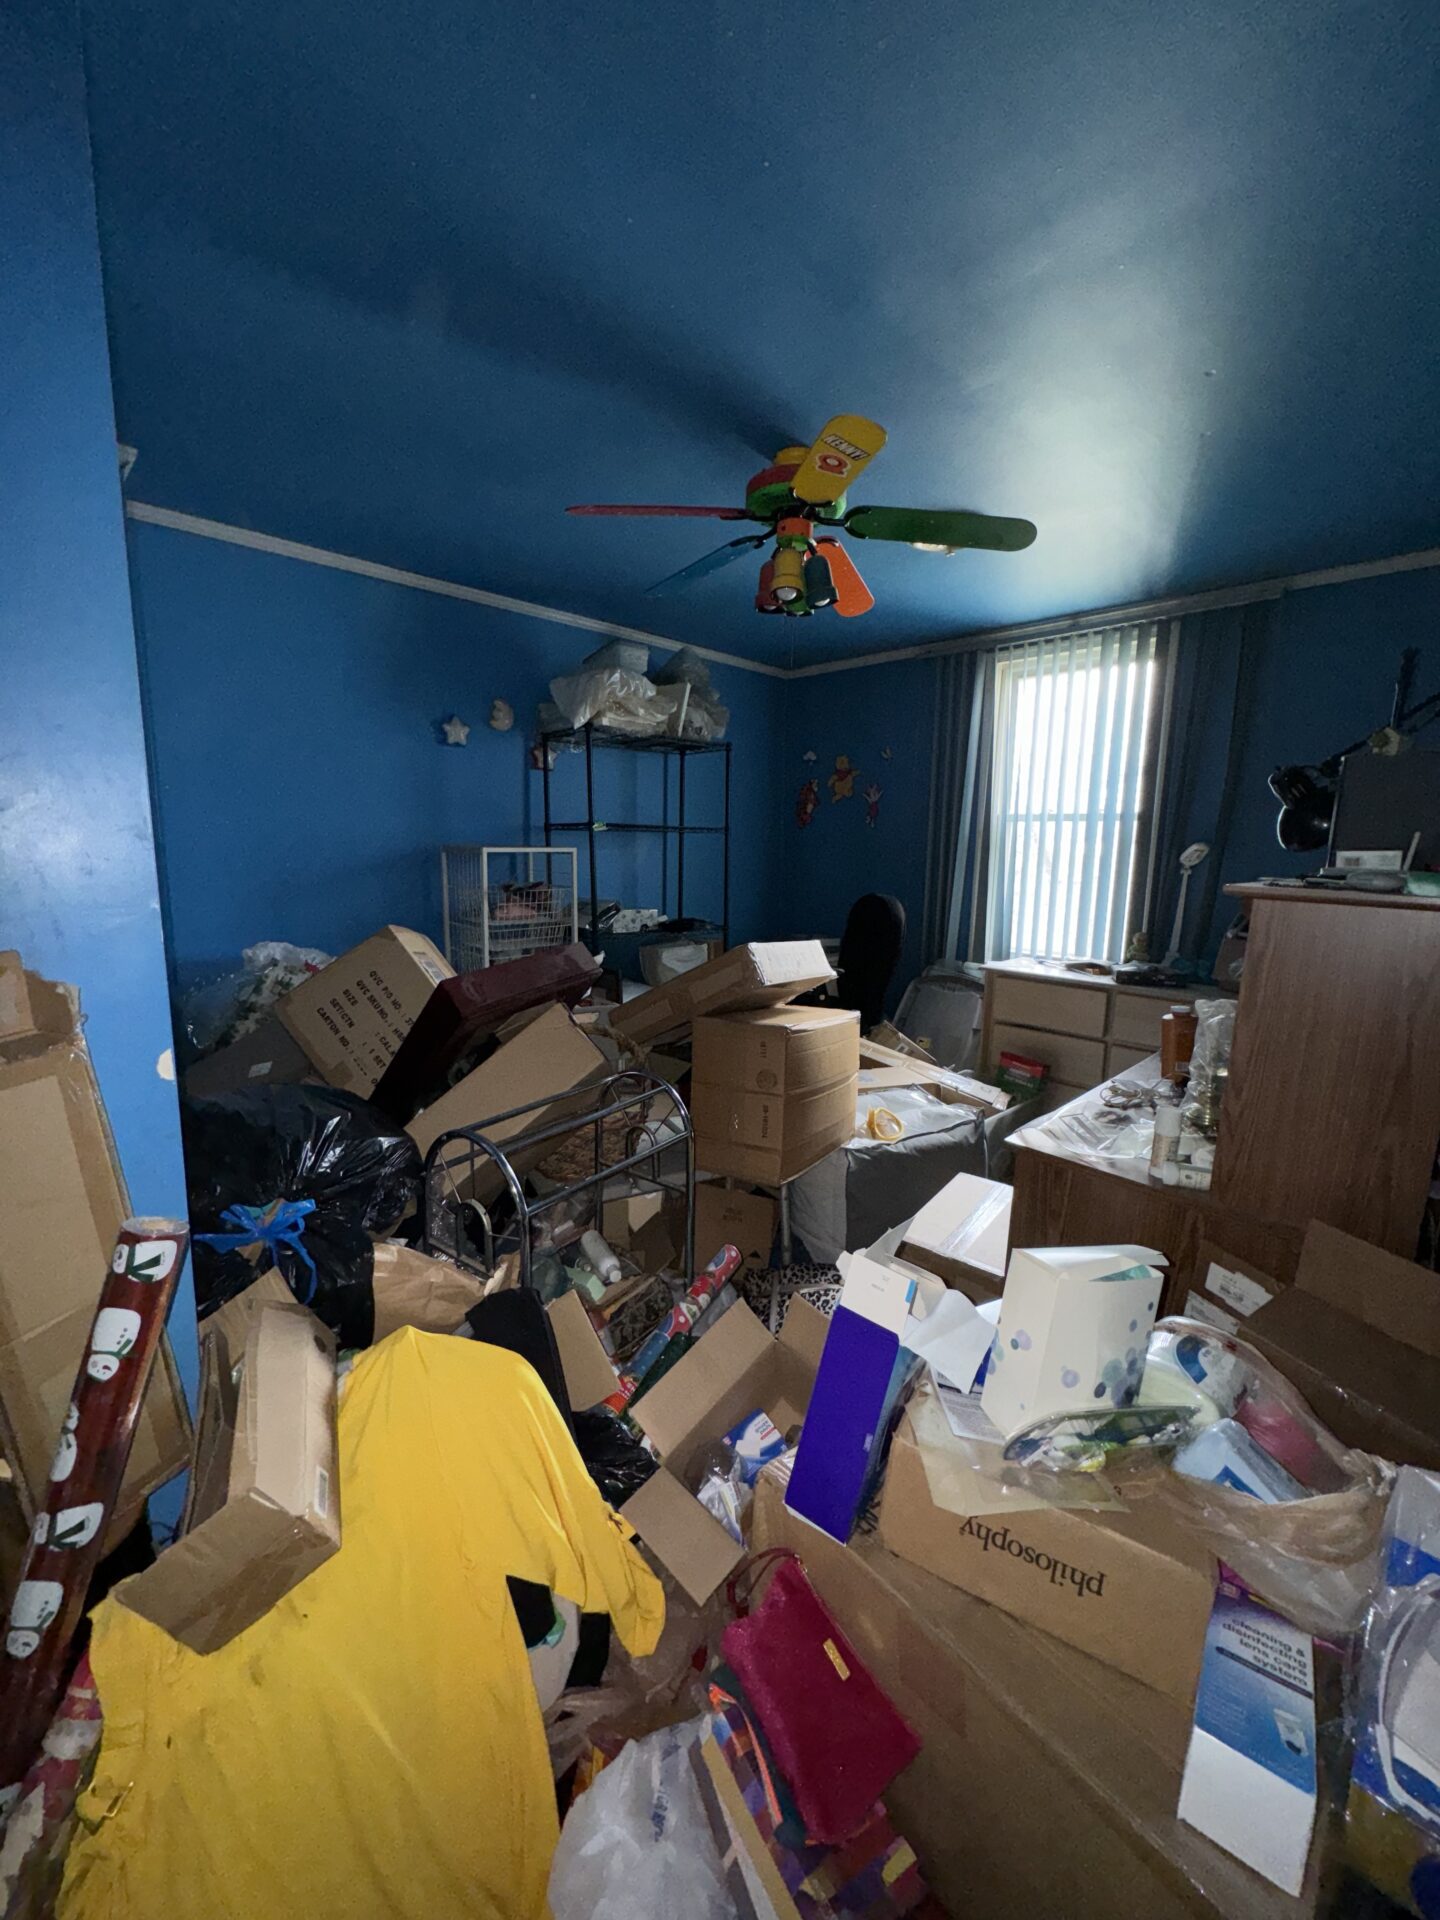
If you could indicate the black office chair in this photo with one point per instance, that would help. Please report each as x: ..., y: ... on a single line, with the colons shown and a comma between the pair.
x: 869, y: 954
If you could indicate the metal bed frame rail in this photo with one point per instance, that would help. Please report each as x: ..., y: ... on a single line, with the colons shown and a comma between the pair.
x: 458, y: 1157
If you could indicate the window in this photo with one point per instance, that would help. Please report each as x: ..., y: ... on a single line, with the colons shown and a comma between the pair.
x: 1073, y: 725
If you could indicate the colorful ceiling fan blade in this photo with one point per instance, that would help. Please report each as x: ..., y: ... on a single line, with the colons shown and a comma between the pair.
x: 939, y: 527
x: 845, y: 446
x: 852, y: 596
x: 708, y: 563
x: 686, y: 513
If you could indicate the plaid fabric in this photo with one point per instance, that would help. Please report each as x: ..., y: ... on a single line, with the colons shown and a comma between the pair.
x: 874, y: 1876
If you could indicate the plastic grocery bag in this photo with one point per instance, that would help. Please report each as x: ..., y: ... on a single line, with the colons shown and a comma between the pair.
x: 226, y: 1009
x: 637, y: 1844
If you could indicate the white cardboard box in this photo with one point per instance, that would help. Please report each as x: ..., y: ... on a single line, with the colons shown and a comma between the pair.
x: 1250, y: 1779
x: 1074, y: 1322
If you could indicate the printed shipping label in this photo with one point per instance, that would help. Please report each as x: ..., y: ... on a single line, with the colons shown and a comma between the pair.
x: 1236, y: 1289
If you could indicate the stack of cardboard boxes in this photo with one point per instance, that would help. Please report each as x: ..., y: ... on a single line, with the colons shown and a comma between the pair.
x: 773, y: 1084
x: 64, y: 1202
x: 390, y: 1022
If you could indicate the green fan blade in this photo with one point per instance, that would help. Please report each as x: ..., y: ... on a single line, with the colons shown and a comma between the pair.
x: 938, y: 527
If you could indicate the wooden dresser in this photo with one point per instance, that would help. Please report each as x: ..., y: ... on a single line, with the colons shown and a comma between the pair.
x: 1333, y: 1106
x: 1084, y: 1027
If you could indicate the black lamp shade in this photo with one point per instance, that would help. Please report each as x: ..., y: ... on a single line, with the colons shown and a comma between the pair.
x: 1306, y: 804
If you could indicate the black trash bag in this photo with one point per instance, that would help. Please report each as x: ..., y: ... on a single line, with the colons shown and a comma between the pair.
x: 300, y: 1178
x: 615, y: 1458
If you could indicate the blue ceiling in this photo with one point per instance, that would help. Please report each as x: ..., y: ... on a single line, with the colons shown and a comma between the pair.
x: 404, y: 280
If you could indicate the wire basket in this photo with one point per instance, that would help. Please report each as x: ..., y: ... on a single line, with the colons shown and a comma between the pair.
x: 501, y: 903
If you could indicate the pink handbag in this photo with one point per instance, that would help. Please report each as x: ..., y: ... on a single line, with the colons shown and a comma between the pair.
x: 834, y: 1734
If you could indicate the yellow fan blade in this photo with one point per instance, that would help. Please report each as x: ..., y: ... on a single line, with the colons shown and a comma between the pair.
x: 847, y: 444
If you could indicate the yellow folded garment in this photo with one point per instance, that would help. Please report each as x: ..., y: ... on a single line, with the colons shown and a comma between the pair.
x: 373, y: 1746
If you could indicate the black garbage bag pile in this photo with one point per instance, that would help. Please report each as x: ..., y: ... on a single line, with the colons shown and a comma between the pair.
x: 301, y: 1178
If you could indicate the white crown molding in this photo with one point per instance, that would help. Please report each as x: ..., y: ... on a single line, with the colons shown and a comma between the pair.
x: 422, y: 582
x: 1235, y: 596
x: 1167, y: 608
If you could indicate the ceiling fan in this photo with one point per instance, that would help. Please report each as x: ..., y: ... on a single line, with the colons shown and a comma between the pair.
x: 804, y: 490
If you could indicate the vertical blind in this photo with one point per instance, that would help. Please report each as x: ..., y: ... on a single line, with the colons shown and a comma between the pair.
x: 1071, y: 725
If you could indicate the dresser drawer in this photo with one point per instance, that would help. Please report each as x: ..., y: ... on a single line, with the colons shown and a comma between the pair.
x: 1047, y: 1003
x: 1135, y: 1020
x: 1122, y: 1059
x: 1077, y: 1062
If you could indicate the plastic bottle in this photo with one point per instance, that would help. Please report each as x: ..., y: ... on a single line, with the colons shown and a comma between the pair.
x: 601, y: 1257
x: 1165, y: 1143
x: 1177, y: 1042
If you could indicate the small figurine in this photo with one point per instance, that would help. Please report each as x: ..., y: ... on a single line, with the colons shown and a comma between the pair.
x: 842, y: 781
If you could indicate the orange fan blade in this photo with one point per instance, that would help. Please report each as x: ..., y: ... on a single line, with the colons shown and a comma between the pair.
x: 852, y: 596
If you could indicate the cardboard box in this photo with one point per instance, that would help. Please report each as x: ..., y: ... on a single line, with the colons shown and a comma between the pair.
x: 729, y: 1216
x: 647, y: 1227
x: 773, y: 1092
x: 409, y: 1296
x: 1359, y: 1335
x: 1226, y: 1290
x: 264, y: 1508
x: 64, y: 1201
x: 962, y: 1235
x: 266, y: 1057
x: 882, y: 1067
x: 1251, y: 1780
x: 735, y: 1369
x: 744, y: 979
x: 589, y: 1376
x: 351, y: 1016
x: 463, y: 1011
x: 541, y: 1057
x: 1074, y: 1322
x: 1067, y: 1771
x: 1133, y: 1589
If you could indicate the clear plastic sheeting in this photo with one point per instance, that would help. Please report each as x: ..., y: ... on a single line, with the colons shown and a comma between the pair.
x: 637, y: 1843
x: 1114, y: 1123
x: 225, y: 1010
x: 871, y: 1184
x: 611, y: 697
x: 1314, y: 1559
x: 1210, y: 1061
x: 702, y: 717
x: 1393, y: 1816
x: 963, y: 1453
x: 941, y: 1012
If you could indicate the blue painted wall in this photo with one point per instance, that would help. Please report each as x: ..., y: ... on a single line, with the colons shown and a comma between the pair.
x: 863, y: 714
x: 302, y: 790
x: 77, y: 865
x: 1324, y: 678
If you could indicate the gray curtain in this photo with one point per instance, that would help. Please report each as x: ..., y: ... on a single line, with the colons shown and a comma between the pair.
x: 957, y: 788
x: 1208, y: 663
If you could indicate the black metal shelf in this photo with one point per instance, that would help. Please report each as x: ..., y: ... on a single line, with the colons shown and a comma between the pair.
x: 627, y: 826
x: 587, y: 739
x: 631, y: 742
